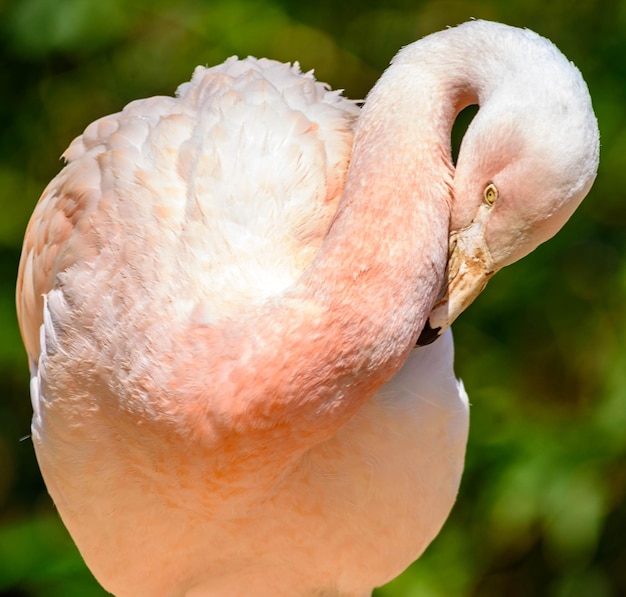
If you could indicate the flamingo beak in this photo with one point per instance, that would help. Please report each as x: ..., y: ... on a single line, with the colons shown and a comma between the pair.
x: 470, y: 267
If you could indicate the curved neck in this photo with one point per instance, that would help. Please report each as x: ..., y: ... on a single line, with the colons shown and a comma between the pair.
x: 295, y: 370
x: 299, y: 367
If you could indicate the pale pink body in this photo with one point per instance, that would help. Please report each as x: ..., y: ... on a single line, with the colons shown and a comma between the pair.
x: 226, y: 396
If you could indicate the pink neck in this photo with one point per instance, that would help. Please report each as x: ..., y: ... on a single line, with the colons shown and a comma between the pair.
x: 296, y: 369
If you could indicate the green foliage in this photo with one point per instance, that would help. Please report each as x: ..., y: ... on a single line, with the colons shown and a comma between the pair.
x: 37, y: 557
x: 542, y: 352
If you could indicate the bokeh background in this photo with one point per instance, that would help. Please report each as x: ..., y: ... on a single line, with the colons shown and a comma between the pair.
x: 542, y: 507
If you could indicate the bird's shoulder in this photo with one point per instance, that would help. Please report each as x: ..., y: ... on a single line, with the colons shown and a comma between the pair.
x: 229, y: 186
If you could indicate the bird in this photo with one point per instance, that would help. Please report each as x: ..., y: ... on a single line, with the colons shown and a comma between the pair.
x: 221, y: 292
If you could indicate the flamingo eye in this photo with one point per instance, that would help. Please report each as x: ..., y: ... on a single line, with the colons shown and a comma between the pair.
x: 490, y: 194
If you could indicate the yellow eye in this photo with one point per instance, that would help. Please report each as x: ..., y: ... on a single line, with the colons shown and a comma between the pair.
x: 490, y: 194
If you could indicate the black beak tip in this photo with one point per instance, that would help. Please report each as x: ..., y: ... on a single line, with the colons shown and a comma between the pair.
x: 428, y: 335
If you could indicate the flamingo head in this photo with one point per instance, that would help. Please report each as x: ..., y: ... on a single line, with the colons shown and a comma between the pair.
x: 526, y: 162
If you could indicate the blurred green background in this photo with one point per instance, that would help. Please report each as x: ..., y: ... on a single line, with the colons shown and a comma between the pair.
x: 542, y: 352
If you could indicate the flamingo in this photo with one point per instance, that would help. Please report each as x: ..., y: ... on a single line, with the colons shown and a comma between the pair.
x: 221, y: 292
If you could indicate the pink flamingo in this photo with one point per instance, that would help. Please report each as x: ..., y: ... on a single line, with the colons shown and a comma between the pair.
x: 221, y: 292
